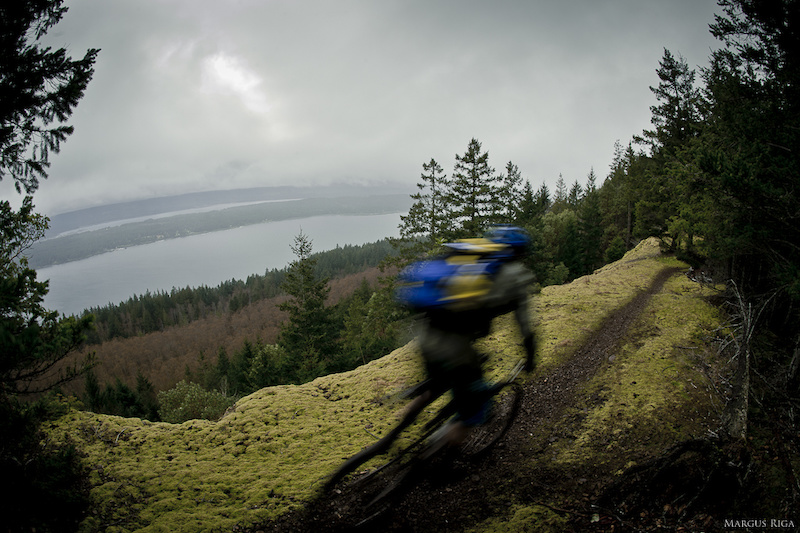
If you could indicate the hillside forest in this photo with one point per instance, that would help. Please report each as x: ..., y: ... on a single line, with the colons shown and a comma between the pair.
x: 716, y: 180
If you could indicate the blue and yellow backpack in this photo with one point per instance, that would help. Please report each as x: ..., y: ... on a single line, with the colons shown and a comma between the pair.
x: 457, y: 280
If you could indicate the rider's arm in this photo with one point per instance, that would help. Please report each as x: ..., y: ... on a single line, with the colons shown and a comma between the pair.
x: 517, y: 280
x: 523, y: 320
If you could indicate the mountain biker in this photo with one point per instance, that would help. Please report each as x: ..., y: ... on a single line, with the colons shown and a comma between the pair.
x: 446, y: 334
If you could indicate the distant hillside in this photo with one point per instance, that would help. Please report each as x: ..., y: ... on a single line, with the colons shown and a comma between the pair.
x: 156, y: 311
x: 165, y: 355
x: 269, y: 454
x: 76, y: 246
x: 97, y: 215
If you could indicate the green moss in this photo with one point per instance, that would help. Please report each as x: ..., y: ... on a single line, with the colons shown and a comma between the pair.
x: 264, y: 457
x: 273, y: 449
x: 650, y: 396
x: 567, y: 314
x: 653, y: 394
x: 524, y: 519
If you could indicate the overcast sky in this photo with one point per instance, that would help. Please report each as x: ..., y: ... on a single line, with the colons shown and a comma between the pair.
x: 206, y: 94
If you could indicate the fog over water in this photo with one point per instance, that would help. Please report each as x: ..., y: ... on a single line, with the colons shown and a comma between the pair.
x: 122, y: 221
x: 207, y: 259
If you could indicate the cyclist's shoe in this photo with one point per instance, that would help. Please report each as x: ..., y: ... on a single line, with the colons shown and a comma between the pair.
x: 451, y: 434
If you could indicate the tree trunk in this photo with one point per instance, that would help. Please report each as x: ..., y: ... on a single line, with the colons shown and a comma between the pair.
x: 793, y: 378
x: 629, y: 230
x: 735, y: 416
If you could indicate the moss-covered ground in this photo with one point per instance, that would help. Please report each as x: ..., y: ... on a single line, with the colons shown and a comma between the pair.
x: 655, y: 391
x: 271, y: 452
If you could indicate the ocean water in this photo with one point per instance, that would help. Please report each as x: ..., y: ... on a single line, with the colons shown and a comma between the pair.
x: 207, y: 259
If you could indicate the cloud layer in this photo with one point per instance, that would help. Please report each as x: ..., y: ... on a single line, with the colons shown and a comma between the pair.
x: 198, y: 95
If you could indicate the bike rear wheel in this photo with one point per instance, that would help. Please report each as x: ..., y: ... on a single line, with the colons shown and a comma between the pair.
x: 361, y: 503
x: 504, y: 409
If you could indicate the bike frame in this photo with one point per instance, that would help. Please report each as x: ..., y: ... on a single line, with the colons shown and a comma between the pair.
x: 424, y: 397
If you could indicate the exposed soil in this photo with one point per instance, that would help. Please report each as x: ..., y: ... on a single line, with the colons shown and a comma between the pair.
x: 465, y: 493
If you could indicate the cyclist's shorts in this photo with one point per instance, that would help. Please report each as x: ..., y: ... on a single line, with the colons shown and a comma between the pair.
x: 481, y: 416
x: 468, y: 388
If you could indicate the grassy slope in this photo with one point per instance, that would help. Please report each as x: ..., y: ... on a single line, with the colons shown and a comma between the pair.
x: 270, y: 453
x: 657, y: 390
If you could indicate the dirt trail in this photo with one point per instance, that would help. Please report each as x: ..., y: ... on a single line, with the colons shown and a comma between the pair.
x: 456, y: 498
x: 545, y: 400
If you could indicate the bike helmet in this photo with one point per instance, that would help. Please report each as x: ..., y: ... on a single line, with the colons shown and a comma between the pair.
x: 513, y: 236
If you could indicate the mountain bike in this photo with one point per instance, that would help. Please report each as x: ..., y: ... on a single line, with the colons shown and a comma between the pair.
x: 364, y: 495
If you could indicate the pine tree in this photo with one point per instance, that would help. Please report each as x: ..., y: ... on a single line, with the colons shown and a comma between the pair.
x: 591, y: 226
x: 39, y: 89
x: 427, y: 214
x: 267, y: 367
x: 509, y: 196
x: 560, y: 198
x: 745, y: 172
x: 473, y: 192
x: 542, y: 200
x: 619, y: 194
x: 33, y: 340
x: 676, y: 120
x: 527, y: 207
x: 307, y: 337
x: 221, y: 376
x: 677, y: 116
x: 147, y: 399
x: 575, y: 195
x: 92, y: 396
x: 240, y: 368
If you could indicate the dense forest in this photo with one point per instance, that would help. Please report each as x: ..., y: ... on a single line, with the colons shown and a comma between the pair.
x: 150, y: 312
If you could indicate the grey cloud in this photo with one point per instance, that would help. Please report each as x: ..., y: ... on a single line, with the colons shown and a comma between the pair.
x: 356, y: 89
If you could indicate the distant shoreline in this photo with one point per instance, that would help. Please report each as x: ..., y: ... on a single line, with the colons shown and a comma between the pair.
x: 148, y: 207
x: 81, y: 245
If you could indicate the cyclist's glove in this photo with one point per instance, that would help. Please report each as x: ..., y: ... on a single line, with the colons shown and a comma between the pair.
x: 530, y: 351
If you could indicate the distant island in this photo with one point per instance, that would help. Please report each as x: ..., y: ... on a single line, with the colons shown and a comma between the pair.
x: 67, y: 243
x: 96, y: 215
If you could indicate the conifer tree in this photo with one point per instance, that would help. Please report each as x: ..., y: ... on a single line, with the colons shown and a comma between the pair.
x: 618, y: 194
x: 509, y: 195
x: 677, y: 116
x: 591, y: 226
x: 527, y: 206
x: 33, y: 340
x: 473, y: 191
x: 307, y: 337
x: 560, y: 198
x: 426, y: 216
x: 267, y: 368
x: 39, y: 89
x: 542, y: 200
x: 221, y: 378
x: 575, y: 195
x: 748, y: 149
x: 676, y: 120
